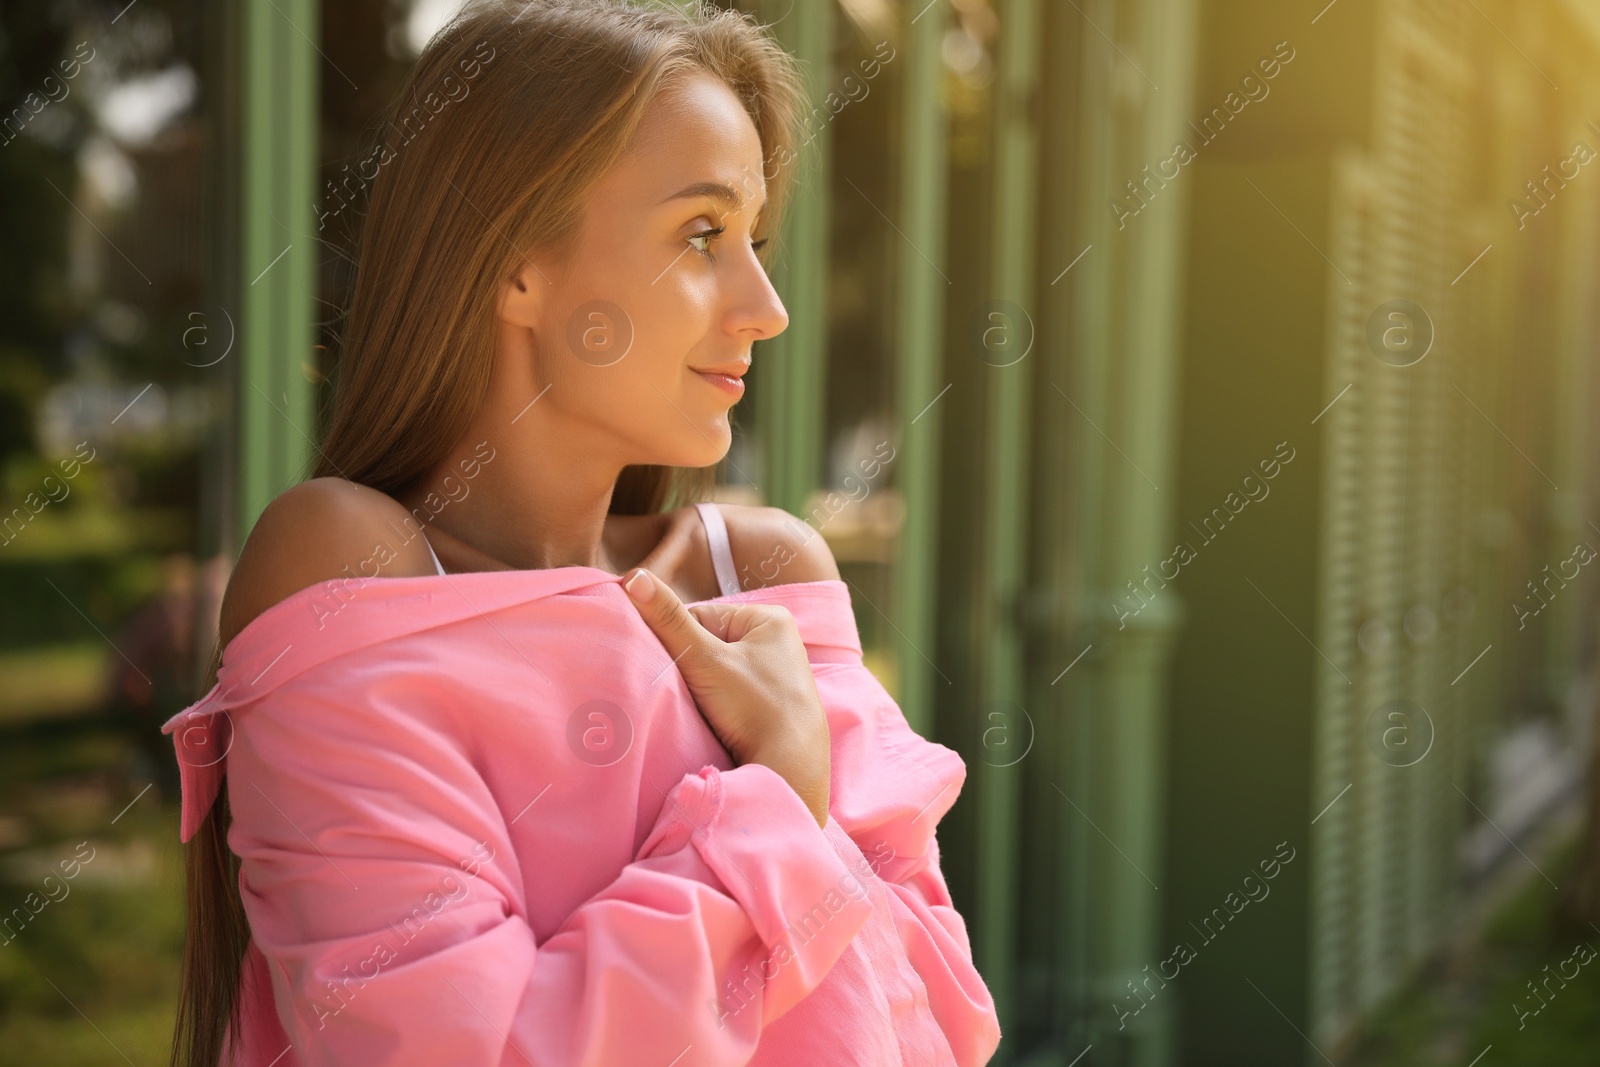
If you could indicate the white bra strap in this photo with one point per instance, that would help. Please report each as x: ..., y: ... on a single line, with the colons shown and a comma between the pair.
x: 721, y: 552
x: 432, y: 553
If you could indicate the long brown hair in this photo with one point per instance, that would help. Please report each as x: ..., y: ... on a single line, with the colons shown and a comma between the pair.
x: 557, y: 89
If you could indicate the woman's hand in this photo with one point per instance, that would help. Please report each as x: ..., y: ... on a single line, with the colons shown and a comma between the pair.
x: 747, y: 669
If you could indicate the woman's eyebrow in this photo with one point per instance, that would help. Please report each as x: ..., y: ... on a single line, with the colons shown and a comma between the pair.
x: 719, y: 191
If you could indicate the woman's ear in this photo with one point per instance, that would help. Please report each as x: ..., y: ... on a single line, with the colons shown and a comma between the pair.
x: 522, y: 295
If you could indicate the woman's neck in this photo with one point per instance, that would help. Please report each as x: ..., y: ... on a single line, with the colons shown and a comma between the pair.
x: 525, y: 507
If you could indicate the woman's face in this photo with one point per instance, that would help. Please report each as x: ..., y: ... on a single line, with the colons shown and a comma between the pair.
x: 642, y: 337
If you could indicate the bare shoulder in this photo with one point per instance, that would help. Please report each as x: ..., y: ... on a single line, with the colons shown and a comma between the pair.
x: 772, y: 547
x: 321, y: 529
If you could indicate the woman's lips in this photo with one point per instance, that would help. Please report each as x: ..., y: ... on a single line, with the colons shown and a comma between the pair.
x: 734, y: 387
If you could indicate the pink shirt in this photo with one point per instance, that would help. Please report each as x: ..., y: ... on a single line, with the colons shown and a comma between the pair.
x: 481, y: 822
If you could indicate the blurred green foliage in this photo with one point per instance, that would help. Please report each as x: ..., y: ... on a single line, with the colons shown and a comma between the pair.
x: 1463, y: 1003
x: 107, y: 952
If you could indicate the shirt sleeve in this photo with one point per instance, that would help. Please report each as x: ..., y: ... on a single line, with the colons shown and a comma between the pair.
x: 383, y: 892
x: 935, y: 940
x: 890, y: 788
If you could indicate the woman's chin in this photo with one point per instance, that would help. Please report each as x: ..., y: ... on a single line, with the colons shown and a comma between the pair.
x: 709, y: 456
x: 701, y: 451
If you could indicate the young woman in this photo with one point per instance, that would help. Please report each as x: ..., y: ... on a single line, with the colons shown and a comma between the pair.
x: 494, y: 792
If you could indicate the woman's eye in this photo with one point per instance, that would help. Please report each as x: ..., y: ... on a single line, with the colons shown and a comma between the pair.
x: 707, y: 236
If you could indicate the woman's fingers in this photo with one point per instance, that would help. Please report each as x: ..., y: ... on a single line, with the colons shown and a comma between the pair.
x: 751, y: 681
x: 722, y: 621
x: 664, y: 613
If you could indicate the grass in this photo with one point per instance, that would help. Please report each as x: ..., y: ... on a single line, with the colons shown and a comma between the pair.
x: 89, y: 977
x: 1464, y: 1004
x: 56, y: 680
x: 89, y: 965
x: 59, y: 532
